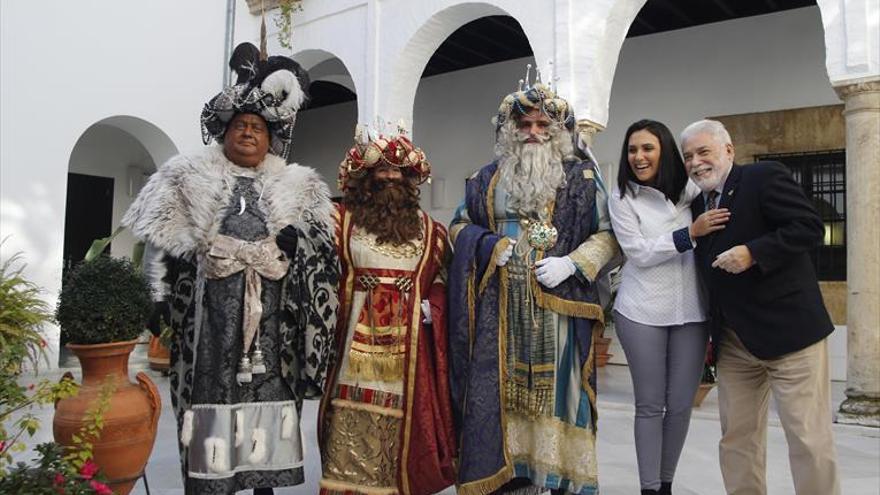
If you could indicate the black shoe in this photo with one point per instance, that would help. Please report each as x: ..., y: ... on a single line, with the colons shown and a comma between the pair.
x: 650, y: 492
x: 665, y: 488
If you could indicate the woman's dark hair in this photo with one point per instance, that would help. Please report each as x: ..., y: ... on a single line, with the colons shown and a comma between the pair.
x: 671, y: 176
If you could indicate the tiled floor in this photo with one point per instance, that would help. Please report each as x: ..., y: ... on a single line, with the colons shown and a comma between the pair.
x: 858, y: 447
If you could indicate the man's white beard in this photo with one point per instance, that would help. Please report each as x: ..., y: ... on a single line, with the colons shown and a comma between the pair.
x: 531, y: 173
x: 711, y: 181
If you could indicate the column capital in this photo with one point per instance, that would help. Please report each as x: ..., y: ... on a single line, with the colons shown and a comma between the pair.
x: 586, y: 129
x: 844, y: 91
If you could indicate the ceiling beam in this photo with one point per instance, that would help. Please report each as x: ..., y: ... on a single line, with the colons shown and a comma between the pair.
x: 476, y: 53
x: 444, y: 58
x: 722, y: 4
x: 676, y: 11
x: 647, y: 26
x: 506, y: 26
x: 489, y: 41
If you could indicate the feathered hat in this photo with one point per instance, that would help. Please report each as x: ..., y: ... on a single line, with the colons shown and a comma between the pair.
x: 531, y: 95
x: 271, y: 87
x: 373, y: 149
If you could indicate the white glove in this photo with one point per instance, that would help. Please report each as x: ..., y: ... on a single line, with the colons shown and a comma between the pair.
x: 426, y: 312
x: 554, y: 270
x: 505, y: 255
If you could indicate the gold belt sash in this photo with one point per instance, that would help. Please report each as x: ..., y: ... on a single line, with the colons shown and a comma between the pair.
x: 229, y: 256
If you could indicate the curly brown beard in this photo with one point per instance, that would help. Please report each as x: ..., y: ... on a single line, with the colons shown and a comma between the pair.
x: 389, y: 209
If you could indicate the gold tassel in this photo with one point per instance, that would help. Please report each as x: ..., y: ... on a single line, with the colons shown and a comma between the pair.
x: 486, y: 485
x: 374, y: 366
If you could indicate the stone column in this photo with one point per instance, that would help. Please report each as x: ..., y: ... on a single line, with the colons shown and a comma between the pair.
x: 862, y: 114
x: 586, y: 129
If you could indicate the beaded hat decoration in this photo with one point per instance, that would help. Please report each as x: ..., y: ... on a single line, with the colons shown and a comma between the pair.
x: 271, y: 87
x: 531, y: 95
x: 374, y: 149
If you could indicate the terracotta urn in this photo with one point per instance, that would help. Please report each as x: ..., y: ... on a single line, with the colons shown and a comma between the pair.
x: 158, y: 355
x: 602, y: 356
x: 130, y: 422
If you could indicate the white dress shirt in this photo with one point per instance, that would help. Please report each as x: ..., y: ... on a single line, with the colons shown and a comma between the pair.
x: 659, y: 284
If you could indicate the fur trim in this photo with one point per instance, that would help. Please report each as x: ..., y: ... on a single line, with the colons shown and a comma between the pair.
x: 239, y: 428
x: 186, y: 430
x: 183, y: 203
x: 217, y: 454
x: 287, y: 418
x: 259, y: 447
x: 156, y: 271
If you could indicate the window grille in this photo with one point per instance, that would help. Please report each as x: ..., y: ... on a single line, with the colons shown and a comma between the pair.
x: 822, y: 174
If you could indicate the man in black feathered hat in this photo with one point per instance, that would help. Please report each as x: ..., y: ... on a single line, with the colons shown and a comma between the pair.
x: 252, y: 320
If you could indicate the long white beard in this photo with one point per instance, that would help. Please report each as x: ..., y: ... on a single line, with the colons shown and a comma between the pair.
x: 531, y: 173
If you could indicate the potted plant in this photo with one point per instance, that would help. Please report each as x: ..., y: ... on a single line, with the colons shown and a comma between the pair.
x: 707, y: 380
x: 23, y: 313
x: 103, y: 308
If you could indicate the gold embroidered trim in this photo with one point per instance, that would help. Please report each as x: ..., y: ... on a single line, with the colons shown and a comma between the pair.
x: 499, y: 248
x: 415, y: 334
x: 530, y: 402
x: 408, y: 250
x: 377, y: 348
x: 343, y: 487
x: 373, y: 366
x: 587, y: 372
x: 486, y: 485
x: 595, y: 253
x: 380, y: 331
x: 554, y: 446
x: 565, y: 307
x: 364, y: 406
x: 490, y: 199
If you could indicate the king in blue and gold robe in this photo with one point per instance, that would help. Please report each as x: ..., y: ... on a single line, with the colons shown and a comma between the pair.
x: 521, y: 354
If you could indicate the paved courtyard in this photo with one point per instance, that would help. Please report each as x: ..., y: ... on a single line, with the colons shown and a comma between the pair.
x: 698, y: 473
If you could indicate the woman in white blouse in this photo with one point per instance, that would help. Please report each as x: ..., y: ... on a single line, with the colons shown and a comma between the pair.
x: 659, y: 312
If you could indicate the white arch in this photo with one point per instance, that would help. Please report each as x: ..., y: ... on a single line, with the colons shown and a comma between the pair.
x: 126, y: 149
x: 328, y: 30
x: 333, y: 70
x: 852, y: 40
x: 415, y: 46
x: 159, y: 146
x: 588, y: 52
x: 323, y: 65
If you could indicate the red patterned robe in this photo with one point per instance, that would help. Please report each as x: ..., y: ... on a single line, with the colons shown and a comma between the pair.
x: 385, y: 423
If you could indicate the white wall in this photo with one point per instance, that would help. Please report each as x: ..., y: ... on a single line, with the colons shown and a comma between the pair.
x: 106, y: 151
x: 67, y: 65
x: 756, y: 64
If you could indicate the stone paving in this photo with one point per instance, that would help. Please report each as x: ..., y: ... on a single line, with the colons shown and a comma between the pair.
x: 698, y: 473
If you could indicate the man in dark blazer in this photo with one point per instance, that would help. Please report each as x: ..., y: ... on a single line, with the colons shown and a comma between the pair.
x: 768, y: 322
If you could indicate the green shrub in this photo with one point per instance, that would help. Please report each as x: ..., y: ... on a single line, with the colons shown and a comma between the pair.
x: 103, y: 300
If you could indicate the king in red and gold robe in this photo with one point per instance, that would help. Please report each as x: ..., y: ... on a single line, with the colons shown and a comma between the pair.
x: 385, y: 422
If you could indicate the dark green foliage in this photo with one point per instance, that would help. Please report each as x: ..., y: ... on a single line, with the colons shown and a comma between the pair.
x: 103, y: 300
